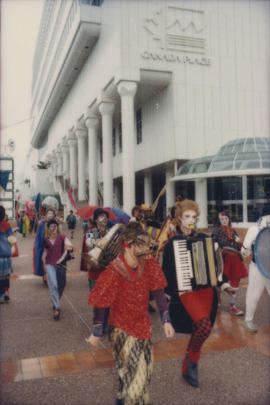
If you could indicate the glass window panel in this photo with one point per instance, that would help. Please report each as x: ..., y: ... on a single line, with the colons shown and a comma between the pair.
x: 186, y: 189
x: 218, y: 166
x: 262, y: 146
x: 238, y: 146
x: 235, y: 212
x: 200, y: 168
x: 224, y: 188
x: 250, y: 164
x: 249, y: 145
x: 254, y: 212
x: 265, y: 155
x: 229, y: 149
x: 247, y: 156
x: 266, y: 164
x: 258, y: 187
x: 237, y: 165
x: 224, y: 158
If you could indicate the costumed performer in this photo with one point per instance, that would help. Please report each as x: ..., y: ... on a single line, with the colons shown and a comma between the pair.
x: 256, y: 280
x: 58, y: 249
x: 42, y: 232
x: 124, y: 287
x: 7, y: 240
x: 71, y: 223
x: 234, y: 268
x: 136, y: 215
x: 192, y: 311
x: 24, y: 224
x: 101, y: 226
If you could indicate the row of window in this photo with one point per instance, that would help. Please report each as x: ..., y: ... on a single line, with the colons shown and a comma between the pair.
x: 230, y: 188
x: 120, y: 145
x: 225, y: 193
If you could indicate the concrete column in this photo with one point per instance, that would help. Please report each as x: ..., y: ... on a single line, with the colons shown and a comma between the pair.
x: 106, y: 109
x: 201, y: 199
x: 59, y: 157
x: 244, y: 198
x: 127, y: 91
x: 170, y: 189
x: 92, y: 123
x: 72, y: 143
x: 54, y: 171
x: 50, y: 169
x: 148, y: 192
x: 65, y: 151
x: 81, y: 133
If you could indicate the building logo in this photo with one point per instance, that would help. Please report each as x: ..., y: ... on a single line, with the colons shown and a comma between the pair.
x: 178, y: 29
x: 178, y: 35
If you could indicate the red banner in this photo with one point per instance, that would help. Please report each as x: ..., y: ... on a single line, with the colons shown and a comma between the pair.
x: 71, y: 199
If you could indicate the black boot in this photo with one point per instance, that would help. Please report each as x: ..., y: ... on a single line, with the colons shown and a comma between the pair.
x: 191, y: 376
x: 119, y: 402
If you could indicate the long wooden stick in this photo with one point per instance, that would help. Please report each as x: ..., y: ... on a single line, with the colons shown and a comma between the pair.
x: 154, y: 206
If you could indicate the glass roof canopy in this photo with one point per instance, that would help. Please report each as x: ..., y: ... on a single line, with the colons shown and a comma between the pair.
x: 237, y: 157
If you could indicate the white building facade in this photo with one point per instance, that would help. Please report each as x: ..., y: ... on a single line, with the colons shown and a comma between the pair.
x: 125, y: 92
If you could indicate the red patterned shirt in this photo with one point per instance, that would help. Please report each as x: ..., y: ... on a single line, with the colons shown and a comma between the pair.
x: 126, y: 292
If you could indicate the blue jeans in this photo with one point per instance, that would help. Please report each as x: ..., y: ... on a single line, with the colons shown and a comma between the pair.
x: 53, y: 285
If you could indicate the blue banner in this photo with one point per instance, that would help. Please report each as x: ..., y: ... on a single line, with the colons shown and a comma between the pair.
x: 4, y: 175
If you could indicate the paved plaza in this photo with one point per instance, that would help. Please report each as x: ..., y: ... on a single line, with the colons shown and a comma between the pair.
x: 49, y: 362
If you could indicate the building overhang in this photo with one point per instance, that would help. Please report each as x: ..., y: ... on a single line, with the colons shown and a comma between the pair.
x: 225, y: 173
x: 70, y: 56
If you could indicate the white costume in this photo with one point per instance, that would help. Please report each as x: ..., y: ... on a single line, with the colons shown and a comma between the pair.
x: 257, y: 281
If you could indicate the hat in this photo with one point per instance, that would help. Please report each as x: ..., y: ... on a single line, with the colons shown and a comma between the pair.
x: 98, y: 212
x: 145, y: 207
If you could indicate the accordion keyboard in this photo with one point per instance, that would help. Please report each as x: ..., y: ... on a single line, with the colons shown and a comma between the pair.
x: 183, y: 265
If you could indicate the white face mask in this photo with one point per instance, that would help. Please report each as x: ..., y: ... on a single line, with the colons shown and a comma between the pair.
x: 224, y: 220
x: 50, y: 215
x: 102, y: 220
x: 188, y: 219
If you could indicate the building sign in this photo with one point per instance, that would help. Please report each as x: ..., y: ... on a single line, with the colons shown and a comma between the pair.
x: 170, y: 57
x: 175, y: 30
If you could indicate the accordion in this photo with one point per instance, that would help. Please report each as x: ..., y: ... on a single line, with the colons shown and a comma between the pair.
x: 196, y: 263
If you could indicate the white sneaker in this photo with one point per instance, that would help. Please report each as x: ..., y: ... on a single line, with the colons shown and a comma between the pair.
x: 251, y: 326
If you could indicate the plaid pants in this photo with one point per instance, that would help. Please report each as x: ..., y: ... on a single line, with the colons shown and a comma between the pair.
x: 134, y: 362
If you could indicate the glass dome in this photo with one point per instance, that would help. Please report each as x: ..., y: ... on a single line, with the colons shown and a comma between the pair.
x: 239, y: 154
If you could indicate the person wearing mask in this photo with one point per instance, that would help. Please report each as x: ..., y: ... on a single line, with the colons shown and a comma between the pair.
x: 57, y: 248
x: 71, y: 223
x: 136, y: 215
x: 256, y: 280
x: 7, y: 240
x: 101, y: 226
x: 42, y: 232
x: 192, y: 308
x: 124, y: 287
x: 234, y: 268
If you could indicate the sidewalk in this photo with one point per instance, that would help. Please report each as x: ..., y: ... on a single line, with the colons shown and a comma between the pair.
x: 48, y: 362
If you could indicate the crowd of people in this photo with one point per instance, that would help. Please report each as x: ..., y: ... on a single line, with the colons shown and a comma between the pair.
x: 172, y: 263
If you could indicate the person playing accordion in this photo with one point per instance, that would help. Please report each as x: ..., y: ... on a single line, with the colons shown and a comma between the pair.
x: 190, y: 266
